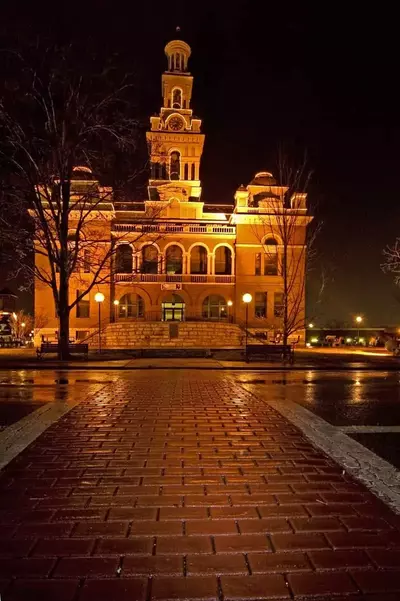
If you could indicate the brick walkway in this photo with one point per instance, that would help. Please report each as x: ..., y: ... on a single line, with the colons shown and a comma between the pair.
x: 184, y: 486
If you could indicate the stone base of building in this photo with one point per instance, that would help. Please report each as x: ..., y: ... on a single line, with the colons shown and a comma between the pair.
x: 158, y: 334
x: 170, y: 334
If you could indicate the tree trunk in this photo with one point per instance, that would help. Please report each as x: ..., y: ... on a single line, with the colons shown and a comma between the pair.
x: 285, y: 296
x: 63, y: 335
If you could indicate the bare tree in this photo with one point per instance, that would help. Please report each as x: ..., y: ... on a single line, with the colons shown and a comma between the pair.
x: 21, y: 324
x: 283, y: 228
x: 64, y: 111
x: 391, y: 261
x: 40, y: 321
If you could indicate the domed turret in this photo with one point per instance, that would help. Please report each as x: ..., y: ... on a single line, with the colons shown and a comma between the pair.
x: 83, y: 173
x: 263, y: 178
x: 178, y: 53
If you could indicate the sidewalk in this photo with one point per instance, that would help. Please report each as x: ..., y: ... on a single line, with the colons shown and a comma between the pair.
x: 185, y: 486
x: 319, y: 359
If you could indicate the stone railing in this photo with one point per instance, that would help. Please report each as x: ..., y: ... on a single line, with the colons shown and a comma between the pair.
x: 185, y: 279
x: 184, y: 228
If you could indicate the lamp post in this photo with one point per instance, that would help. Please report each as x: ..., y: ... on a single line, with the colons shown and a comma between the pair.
x: 99, y: 298
x: 229, y: 303
x: 116, y: 304
x: 358, y: 321
x: 247, y: 298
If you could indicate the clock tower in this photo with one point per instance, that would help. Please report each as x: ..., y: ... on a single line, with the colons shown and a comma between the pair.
x: 175, y: 140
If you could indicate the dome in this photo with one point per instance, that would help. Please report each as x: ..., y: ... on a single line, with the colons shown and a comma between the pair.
x: 82, y: 172
x: 263, y: 178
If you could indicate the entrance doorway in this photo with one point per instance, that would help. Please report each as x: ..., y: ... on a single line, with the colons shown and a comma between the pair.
x: 174, y: 309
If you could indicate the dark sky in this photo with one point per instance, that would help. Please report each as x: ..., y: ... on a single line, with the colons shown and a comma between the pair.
x: 318, y: 80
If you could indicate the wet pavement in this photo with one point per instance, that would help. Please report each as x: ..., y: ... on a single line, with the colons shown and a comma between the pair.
x: 366, y: 404
x: 24, y: 391
x: 189, y: 486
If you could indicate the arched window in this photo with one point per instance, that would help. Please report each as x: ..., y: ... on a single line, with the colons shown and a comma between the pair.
x: 124, y: 258
x: 175, y: 165
x: 198, y: 260
x: 131, y: 305
x: 214, y: 307
x: 223, y: 261
x: 270, y: 257
x: 174, y: 260
x: 177, y: 61
x: 149, y: 259
x: 177, y: 98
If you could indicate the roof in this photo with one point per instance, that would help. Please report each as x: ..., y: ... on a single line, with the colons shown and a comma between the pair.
x: 263, y: 178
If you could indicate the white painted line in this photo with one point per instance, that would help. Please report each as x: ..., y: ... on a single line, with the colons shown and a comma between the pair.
x: 369, y: 429
x: 18, y: 436
x: 379, y: 476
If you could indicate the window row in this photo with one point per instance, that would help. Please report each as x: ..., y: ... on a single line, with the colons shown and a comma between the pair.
x: 173, y: 262
x: 213, y: 307
x: 174, y: 169
x: 132, y: 306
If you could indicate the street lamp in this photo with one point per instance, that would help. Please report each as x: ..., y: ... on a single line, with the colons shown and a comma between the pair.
x: 99, y: 298
x: 311, y: 325
x: 358, y: 321
x: 229, y: 303
x: 247, y: 298
x: 116, y: 304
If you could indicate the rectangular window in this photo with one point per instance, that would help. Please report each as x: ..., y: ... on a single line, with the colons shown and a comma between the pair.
x: 260, y: 304
x: 86, y: 260
x: 81, y: 334
x: 271, y: 264
x: 257, y: 269
x: 83, y: 307
x: 278, y: 304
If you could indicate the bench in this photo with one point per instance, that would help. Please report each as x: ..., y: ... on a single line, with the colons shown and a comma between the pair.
x: 52, y: 347
x: 264, y: 351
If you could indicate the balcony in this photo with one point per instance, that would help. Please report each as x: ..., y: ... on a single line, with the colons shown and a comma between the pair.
x: 159, y: 278
x: 181, y: 228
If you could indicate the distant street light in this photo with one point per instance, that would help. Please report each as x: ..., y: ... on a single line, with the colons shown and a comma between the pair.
x: 229, y: 303
x: 116, y: 305
x: 247, y: 298
x: 359, y: 320
x: 23, y: 324
x: 99, y: 298
x: 310, y: 325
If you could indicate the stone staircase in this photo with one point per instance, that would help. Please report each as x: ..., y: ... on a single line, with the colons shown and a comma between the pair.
x: 136, y: 334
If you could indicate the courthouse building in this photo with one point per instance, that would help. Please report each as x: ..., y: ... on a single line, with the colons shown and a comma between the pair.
x: 181, y: 266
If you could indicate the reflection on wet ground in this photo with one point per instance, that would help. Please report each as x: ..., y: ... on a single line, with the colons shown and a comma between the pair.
x: 24, y: 391
x: 341, y: 398
x: 354, y: 398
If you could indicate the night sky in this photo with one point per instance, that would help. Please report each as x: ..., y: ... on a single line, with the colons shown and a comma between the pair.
x: 322, y: 81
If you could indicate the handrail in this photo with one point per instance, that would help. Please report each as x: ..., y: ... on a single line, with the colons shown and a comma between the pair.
x: 103, y: 324
x: 242, y: 326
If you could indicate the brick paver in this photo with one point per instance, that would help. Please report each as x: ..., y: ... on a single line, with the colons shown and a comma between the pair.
x: 186, y: 486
